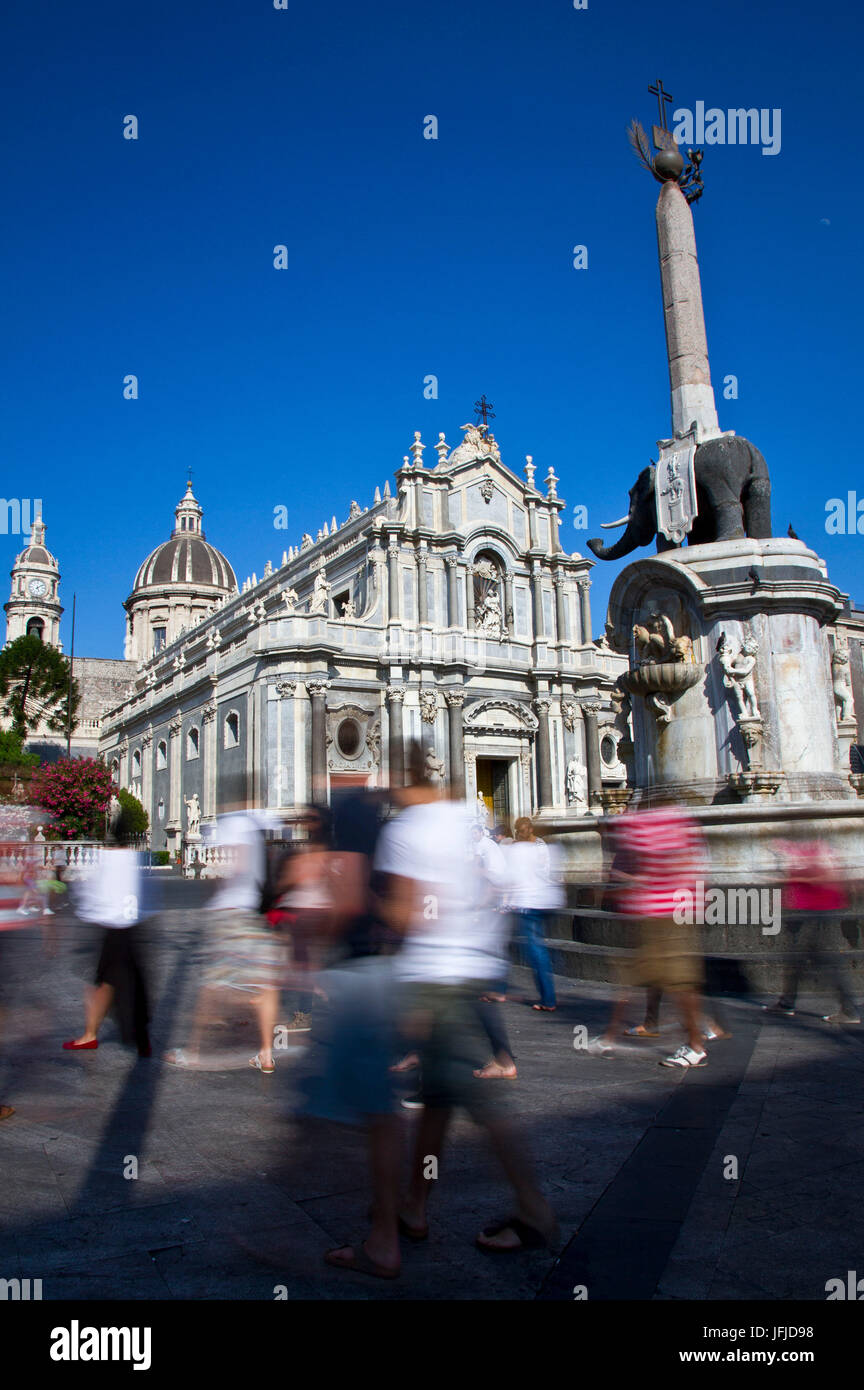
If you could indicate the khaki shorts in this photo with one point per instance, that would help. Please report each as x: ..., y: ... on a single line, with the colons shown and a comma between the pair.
x: 442, y: 1023
x: 667, y: 958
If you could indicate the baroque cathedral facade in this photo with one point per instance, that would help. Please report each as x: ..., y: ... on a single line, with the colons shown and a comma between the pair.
x: 446, y: 611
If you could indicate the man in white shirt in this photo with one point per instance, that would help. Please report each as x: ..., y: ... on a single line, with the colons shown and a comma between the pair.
x: 440, y: 896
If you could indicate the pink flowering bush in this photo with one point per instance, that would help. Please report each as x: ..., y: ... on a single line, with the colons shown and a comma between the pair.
x: 75, y: 792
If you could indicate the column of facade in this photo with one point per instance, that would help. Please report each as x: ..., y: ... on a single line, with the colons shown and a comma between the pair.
x: 175, y: 753
x: 585, y: 610
x: 286, y: 690
x: 509, y: 616
x: 210, y: 753
x: 422, y: 587
x: 469, y: 597
x: 452, y: 562
x: 592, y: 754
x: 544, y: 753
x: 394, y: 608
x: 395, y: 698
x: 317, y: 688
x: 537, y: 600
x: 455, y: 700
x: 123, y: 759
x: 561, y: 608
x: 147, y: 776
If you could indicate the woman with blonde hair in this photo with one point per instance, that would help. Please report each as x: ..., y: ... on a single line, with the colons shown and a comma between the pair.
x: 534, y: 892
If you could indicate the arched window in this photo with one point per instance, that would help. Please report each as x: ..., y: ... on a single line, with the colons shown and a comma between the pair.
x: 192, y: 743
x: 36, y: 628
x: 232, y: 729
x: 136, y: 765
x: 161, y: 753
x: 115, y: 769
x: 160, y: 809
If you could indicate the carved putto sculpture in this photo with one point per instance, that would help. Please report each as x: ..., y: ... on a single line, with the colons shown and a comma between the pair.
x: 290, y: 598
x: 428, y: 706
x: 739, y: 674
x: 657, y: 641
x: 348, y: 609
x: 842, y: 684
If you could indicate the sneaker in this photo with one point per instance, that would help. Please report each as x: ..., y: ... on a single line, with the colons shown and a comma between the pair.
x: 300, y: 1023
x: 599, y: 1047
x: 778, y: 1008
x: 713, y: 1034
x: 842, y: 1017
x: 685, y: 1057
x: 414, y: 1102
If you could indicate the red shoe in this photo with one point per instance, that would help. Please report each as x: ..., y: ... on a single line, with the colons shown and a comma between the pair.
x: 80, y: 1047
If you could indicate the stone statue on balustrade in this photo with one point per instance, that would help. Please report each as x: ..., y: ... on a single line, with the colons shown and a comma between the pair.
x: 320, y: 594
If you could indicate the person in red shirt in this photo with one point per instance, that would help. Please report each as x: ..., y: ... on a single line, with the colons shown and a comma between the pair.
x: 813, y: 886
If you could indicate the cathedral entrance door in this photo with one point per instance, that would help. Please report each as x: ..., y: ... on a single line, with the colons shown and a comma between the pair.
x: 492, y: 785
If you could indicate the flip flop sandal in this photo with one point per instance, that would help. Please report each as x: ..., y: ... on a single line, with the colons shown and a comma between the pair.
x: 360, y: 1262
x: 6, y: 1111
x: 640, y: 1031
x: 498, y: 1074
x: 545, y: 1008
x: 256, y: 1062
x: 178, y: 1058
x: 529, y: 1237
x: 415, y: 1233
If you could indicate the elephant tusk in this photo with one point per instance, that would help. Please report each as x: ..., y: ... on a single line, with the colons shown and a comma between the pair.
x: 610, y: 525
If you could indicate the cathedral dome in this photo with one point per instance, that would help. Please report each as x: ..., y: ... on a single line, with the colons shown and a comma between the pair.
x: 186, y: 558
x: 179, y: 584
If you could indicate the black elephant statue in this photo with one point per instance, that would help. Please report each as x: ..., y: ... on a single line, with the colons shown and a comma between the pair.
x: 733, y: 495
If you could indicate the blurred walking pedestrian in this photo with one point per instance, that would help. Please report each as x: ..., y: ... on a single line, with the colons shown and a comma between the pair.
x: 534, y: 892
x: 660, y: 856
x: 111, y: 897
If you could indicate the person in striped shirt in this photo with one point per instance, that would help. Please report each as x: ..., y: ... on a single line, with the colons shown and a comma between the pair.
x: 660, y: 854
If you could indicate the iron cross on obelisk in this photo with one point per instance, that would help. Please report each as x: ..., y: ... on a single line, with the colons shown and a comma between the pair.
x: 663, y: 138
x: 483, y: 408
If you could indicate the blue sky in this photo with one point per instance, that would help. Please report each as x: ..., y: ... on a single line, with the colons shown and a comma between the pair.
x: 407, y: 257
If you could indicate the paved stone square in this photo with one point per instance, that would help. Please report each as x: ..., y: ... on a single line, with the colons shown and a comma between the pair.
x: 236, y: 1196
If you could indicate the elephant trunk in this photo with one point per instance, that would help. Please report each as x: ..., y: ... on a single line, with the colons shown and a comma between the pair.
x: 623, y: 546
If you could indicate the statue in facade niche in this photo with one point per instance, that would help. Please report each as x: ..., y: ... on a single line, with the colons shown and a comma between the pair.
x: 348, y: 609
x: 290, y: 598
x: 434, y: 767
x: 577, y: 784
x: 739, y: 674
x: 193, y: 814
x: 842, y: 684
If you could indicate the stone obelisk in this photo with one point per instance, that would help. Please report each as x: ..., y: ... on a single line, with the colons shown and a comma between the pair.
x: 686, y: 343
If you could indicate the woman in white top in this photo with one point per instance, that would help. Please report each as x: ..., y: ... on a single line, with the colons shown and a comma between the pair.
x: 533, y: 893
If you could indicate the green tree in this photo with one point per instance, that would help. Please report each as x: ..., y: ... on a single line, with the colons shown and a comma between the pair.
x: 133, y: 818
x: 12, y: 751
x: 34, y: 687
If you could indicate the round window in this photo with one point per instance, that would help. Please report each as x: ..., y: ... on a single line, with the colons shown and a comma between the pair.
x: 608, y: 750
x: 349, y: 738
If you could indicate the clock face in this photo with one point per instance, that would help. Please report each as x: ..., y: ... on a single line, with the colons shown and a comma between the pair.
x: 37, y: 588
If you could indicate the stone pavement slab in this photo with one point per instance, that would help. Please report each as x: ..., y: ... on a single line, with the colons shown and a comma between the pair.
x: 235, y: 1195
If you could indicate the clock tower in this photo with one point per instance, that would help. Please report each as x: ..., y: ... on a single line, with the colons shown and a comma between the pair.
x: 34, y: 603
